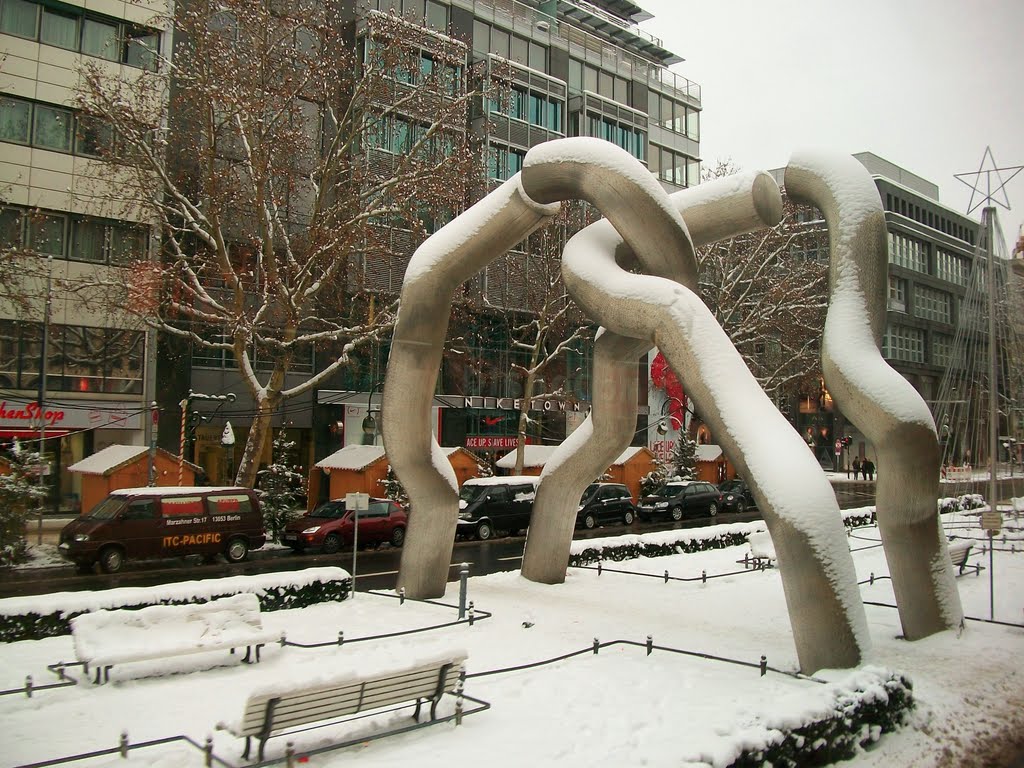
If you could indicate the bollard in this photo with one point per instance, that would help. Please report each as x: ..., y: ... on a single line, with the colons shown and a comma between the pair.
x: 401, y: 596
x: 122, y: 746
x: 463, y: 584
x: 28, y: 686
x: 208, y: 751
x: 764, y: 665
x: 597, y: 646
x: 666, y: 577
x: 650, y: 644
x: 471, y: 613
x: 703, y: 577
x: 289, y: 755
x: 341, y: 636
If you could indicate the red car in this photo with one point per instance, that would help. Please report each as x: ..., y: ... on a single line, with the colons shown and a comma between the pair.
x: 329, y: 527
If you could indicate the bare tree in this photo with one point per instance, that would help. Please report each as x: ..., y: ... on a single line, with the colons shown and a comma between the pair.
x: 769, y: 291
x: 278, y: 171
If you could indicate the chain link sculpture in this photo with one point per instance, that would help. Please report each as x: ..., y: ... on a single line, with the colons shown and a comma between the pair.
x: 635, y: 273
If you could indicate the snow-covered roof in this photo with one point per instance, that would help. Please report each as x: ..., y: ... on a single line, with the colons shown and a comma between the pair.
x: 708, y: 453
x: 449, y: 451
x: 503, y: 480
x: 352, y: 457
x: 538, y: 455
x: 113, y: 457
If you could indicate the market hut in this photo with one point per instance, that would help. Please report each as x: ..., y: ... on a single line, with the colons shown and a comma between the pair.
x: 127, y: 466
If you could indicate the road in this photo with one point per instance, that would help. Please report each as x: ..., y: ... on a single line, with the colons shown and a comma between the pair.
x: 376, y: 569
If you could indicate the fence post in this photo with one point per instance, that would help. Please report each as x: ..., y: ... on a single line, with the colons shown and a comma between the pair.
x: 871, y: 579
x: 666, y: 577
x: 341, y: 636
x: 401, y: 596
x: 597, y: 646
x: 703, y: 577
x: 289, y: 755
x: 122, y: 746
x: 598, y: 567
x: 208, y: 751
x: 463, y: 585
x: 650, y: 644
x: 764, y: 665
x: 28, y: 686
x: 471, y: 613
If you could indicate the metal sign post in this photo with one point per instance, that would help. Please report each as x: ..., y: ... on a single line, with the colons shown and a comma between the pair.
x: 357, y: 502
x: 991, y: 523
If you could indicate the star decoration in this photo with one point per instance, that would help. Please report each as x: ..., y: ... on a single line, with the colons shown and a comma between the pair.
x: 981, y: 182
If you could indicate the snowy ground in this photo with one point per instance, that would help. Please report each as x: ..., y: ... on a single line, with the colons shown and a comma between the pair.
x: 618, y: 708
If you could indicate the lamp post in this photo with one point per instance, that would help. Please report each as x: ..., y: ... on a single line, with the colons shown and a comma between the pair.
x: 43, y: 354
x: 227, y: 439
x: 369, y: 422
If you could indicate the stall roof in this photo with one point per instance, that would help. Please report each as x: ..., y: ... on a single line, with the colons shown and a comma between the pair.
x: 354, y: 457
x: 708, y: 453
x: 113, y: 457
x: 538, y: 455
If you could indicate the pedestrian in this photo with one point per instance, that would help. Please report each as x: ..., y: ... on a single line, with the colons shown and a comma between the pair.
x: 856, y: 467
x: 869, y: 469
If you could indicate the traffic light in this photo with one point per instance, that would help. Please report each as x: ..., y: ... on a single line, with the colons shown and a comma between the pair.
x: 846, y: 441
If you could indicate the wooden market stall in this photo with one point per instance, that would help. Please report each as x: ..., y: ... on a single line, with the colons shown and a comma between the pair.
x: 127, y: 466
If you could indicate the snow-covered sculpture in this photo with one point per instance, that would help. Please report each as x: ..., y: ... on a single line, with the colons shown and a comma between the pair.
x: 644, y: 229
x: 883, y: 405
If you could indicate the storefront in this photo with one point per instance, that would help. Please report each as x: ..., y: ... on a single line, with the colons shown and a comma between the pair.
x: 70, y: 430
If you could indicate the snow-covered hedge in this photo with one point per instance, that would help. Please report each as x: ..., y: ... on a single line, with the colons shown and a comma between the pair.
x: 677, y: 542
x: 872, y: 702
x: 38, y: 616
x: 960, y: 503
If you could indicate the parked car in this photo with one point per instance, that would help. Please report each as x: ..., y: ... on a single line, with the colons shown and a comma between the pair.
x: 164, y: 522
x: 736, y: 495
x: 330, y: 526
x: 605, y: 503
x: 489, y: 505
x: 683, y: 497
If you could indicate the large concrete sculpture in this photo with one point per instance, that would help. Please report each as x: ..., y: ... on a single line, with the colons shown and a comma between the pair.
x: 883, y: 405
x: 647, y: 232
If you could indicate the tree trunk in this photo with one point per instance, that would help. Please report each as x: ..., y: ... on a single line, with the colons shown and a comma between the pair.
x: 255, y: 445
x: 524, y: 419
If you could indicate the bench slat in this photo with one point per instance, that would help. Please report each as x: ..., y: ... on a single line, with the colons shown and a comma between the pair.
x: 314, y: 704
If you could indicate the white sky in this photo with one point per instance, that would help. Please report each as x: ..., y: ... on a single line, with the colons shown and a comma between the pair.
x: 926, y: 84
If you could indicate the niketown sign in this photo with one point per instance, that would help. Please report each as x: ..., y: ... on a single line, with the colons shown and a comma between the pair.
x: 516, y: 404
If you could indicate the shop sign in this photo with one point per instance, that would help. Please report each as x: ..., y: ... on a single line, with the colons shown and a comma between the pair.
x: 491, y: 441
x: 18, y: 416
x: 516, y: 404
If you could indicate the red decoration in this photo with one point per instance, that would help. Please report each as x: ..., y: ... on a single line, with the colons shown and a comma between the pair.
x: 665, y: 379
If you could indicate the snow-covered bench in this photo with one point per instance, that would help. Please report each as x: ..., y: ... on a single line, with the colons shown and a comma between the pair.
x: 959, y: 551
x: 108, y: 637
x: 281, y: 706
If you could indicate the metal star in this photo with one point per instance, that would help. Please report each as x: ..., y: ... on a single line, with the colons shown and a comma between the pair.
x: 985, y: 191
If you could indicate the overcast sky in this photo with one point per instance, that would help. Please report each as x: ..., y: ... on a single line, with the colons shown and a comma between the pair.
x: 926, y: 84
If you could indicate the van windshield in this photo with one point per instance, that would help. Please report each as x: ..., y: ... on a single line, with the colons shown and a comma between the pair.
x: 107, y: 508
x: 471, y: 493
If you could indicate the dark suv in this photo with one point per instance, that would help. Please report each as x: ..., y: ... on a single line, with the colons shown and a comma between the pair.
x: 736, y: 495
x: 683, y: 497
x: 605, y: 503
x: 489, y: 505
x: 329, y: 527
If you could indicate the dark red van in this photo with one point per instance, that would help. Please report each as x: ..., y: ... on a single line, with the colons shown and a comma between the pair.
x: 140, y: 523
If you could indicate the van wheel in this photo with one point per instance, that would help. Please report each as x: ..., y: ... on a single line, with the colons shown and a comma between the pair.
x: 589, y: 521
x: 111, y: 559
x: 398, y: 537
x: 331, y: 544
x: 237, y: 551
x: 484, y: 531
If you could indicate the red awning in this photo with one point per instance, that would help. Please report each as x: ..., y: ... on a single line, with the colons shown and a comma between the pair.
x: 33, y: 434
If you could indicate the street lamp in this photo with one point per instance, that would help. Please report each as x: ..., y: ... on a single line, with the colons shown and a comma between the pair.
x: 227, y: 439
x: 370, y: 423
x: 678, y: 421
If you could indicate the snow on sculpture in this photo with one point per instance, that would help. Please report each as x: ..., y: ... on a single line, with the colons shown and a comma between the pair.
x: 883, y: 405
x: 645, y: 230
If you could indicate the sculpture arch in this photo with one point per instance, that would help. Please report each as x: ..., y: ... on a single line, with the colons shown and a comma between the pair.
x: 645, y: 227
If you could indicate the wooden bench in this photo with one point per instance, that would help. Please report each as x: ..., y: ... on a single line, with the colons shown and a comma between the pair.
x: 959, y: 551
x: 278, y: 707
x: 108, y: 637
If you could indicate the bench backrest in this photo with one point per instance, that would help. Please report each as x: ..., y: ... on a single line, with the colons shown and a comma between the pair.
x: 958, y: 552
x: 324, y: 702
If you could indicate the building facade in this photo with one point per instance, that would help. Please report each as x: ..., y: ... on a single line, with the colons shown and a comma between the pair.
x: 66, y: 225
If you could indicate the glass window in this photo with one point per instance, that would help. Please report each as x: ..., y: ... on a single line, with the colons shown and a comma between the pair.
x: 693, y: 124
x: 500, y: 41
x: 83, y: 350
x: 520, y: 50
x: 88, y: 236
x: 481, y: 36
x: 52, y: 128
x: 437, y: 15
x: 93, y: 136
x: 11, y: 227
x: 536, y: 109
x: 538, y: 58
x: 555, y: 116
x: 575, y: 75
x: 654, y: 106
x: 18, y: 17
x: 60, y: 29
x: 140, y: 48
x: 15, y: 119
x: 99, y: 38
x: 46, y: 234
x: 605, y: 85
x: 590, y: 79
